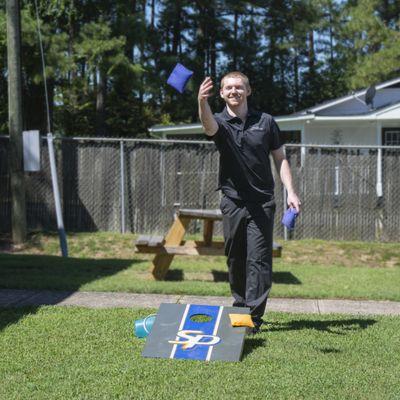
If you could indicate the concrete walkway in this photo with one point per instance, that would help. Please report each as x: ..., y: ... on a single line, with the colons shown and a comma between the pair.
x: 21, y: 298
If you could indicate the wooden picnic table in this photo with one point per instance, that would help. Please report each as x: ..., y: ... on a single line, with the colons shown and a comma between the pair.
x: 173, y: 243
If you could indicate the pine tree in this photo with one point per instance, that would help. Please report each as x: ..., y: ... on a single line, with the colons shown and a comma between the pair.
x: 373, y: 38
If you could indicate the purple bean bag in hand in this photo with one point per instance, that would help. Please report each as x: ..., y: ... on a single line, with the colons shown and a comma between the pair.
x: 179, y: 77
x: 289, y: 218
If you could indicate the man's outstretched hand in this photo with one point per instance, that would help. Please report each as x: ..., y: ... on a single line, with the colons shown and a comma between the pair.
x: 205, y: 114
x: 205, y: 90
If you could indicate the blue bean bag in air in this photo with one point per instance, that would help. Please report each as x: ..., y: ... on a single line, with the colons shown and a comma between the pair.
x: 179, y: 77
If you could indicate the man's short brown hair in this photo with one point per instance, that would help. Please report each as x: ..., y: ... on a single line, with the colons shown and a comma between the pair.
x: 236, y: 74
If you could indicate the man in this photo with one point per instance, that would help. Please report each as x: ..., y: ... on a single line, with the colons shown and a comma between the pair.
x: 245, y: 138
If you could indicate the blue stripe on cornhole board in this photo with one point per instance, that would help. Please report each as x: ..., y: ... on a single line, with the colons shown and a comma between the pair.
x: 198, y: 352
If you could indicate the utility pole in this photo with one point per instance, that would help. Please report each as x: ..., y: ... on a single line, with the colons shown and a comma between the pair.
x: 15, y: 153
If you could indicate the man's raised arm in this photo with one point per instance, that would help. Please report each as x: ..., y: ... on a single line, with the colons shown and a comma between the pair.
x: 205, y: 114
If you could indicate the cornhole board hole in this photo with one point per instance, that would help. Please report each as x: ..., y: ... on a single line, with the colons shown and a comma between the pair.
x: 196, y: 332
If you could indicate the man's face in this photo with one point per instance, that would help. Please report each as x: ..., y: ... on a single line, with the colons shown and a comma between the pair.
x: 234, y: 92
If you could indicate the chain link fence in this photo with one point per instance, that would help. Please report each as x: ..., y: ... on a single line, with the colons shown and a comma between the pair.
x: 90, y: 184
x: 348, y: 193
x: 40, y: 207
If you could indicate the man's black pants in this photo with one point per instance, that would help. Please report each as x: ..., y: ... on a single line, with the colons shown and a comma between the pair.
x: 248, y: 229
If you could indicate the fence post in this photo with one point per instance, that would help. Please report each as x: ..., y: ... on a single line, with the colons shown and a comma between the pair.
x: 285, y: 231
x: 162, y: 174
x: 302, y: 156
x: 379, y: 192
x: 57, y: 200
x: 122, y: 185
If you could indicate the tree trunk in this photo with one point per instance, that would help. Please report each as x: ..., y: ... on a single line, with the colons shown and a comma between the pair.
x: 100, y: 104
x: 331, y: 36
x: 311, y: 53
x: 176, y: 38
x: 71, y: 39
x: 18, y: 208
x: 200, y: 47
x: 142, y: 44
x: 212, y: 43
x: 235, y: 39
x: 153, y: 13
x: 50, y: 88
x: 296, y: 79
x: 271, y: 74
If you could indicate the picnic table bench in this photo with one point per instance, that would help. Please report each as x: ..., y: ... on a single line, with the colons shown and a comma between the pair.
x: 173, y: 243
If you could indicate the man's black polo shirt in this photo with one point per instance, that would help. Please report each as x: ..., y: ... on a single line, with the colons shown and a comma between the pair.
x: 244, y: 147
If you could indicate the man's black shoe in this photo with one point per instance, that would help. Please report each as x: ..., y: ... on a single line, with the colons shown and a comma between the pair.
x: 253, y: 331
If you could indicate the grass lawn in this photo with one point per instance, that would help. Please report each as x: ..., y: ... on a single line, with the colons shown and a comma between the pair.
x: 75, y: 353
x: 106, y: 262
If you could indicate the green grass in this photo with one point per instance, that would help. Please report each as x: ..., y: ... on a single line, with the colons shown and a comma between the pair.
x: 193, y: 276
x: 74, y: 353
x: 102, y: 245
x: 107, y: 262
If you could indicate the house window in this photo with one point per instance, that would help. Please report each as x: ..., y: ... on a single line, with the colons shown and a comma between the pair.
x: 289, y: 137
x: 188, y: 136
x: 293, y: 154
x: 391, y: 136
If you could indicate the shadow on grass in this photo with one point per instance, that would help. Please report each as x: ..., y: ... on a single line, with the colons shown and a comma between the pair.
x: 286, y: 278
x: 37, y: 272
x: 337, y: 327
x: 277, y: 277
x: 251, y: 344
x: 9, y: 316
x: 178, y: 275
x: 175, y: 275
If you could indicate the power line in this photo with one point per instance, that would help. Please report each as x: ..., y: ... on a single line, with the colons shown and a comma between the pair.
x: 43, y: 67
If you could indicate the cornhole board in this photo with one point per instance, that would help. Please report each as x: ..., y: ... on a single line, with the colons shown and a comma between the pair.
x: 175, y: 335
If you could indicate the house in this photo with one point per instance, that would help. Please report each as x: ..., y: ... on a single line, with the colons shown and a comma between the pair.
x: 368, y: 117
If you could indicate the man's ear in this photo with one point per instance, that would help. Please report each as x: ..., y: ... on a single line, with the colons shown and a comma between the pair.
x: 248, y: 91
x: 220, y: 93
